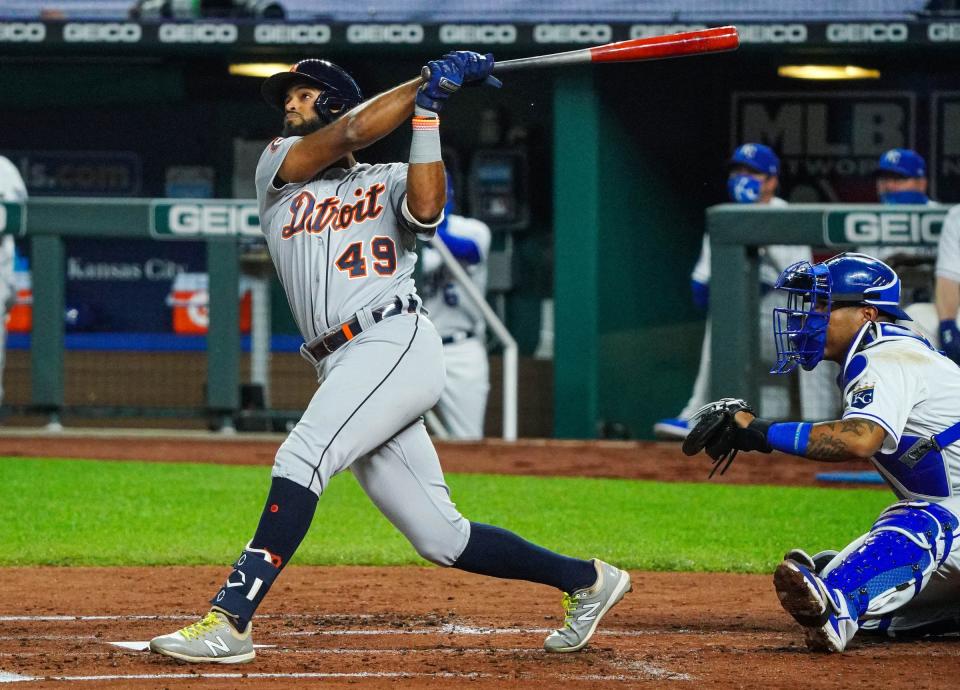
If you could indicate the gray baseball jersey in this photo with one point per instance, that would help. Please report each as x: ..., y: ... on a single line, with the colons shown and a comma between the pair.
x: 339, y: 242
x: 341, y: 246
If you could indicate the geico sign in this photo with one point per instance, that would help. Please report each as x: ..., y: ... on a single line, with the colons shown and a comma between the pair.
x: 385, y: 33
x: 867, y: 33
x: 213, y: 219
x: 478, y: 33
x: 21, y: 32
x: 572, y: 33
x: 892, y: 228
x: 291, y: 33
x: 772, y: 33
x: 101, y: 32
x: 941, y: 32
x: 198, y: 33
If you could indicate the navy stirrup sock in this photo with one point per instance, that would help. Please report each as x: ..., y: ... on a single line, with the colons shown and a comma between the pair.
x: 285, y: 519
x: 283, y: 525
x: 497, y: 552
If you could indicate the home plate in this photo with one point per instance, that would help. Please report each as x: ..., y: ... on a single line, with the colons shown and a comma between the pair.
x: 138, y: 646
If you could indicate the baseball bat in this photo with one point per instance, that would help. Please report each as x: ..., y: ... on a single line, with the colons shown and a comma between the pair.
x: 717, y: 40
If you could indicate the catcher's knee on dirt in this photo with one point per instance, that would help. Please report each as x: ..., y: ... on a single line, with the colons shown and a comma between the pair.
x: 906, y: 544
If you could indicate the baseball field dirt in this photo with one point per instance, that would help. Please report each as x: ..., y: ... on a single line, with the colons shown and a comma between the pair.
x: 429, y: 627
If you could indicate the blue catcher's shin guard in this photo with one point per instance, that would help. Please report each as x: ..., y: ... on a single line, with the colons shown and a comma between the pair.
x: 908, y: 542
x: 247, y: 585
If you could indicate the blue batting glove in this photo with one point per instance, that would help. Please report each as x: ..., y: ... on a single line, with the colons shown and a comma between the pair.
x: 476, y: 67
x: 441, y: 78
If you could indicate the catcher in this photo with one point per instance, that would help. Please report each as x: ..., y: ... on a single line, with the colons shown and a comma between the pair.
x: 902, y: 412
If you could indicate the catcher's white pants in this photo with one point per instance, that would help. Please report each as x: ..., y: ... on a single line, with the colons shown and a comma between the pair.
x: 463, y: 403
x: 366, y: 417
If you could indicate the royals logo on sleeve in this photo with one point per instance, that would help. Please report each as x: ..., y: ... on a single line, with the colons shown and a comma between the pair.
x: 862, y: 397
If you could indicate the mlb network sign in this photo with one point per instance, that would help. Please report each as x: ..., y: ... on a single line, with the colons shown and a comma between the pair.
x: 204, y: 219
x: 887, y: 228
x: 828, y: 143
x: 12, y: 219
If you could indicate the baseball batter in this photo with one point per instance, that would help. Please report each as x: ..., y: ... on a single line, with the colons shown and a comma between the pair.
x: 463, y: 403
x: 341, y: 236
x: 902, y: 411
x: 12, y: 189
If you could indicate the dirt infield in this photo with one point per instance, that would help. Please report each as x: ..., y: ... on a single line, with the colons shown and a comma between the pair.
x: 427, y: 627
x: 616, y: 459
x: 430, y: 627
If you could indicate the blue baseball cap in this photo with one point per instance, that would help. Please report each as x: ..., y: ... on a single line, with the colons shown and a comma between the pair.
x: 756, y: 157
x: 902, y: 162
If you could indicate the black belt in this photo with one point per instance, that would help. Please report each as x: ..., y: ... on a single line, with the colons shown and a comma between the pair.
x: 349, y: 330
x: 457, y: 337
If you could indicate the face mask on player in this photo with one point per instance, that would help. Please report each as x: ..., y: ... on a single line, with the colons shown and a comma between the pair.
x: 744, y: 189
x: 800, y: 328
x: 906, y: 196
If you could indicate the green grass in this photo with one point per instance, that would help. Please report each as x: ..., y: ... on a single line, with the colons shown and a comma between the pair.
x: 71, y: 512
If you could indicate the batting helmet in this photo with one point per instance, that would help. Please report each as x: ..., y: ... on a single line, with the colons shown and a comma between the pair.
x: 814, y: 290
x: 339, y: 91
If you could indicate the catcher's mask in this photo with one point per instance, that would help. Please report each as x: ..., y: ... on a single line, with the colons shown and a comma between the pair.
x: 339, y: 91
x: 814, y: 290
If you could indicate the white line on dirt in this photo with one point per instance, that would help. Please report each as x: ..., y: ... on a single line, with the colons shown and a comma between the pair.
x: 182, y: 617
x: 16, y: 678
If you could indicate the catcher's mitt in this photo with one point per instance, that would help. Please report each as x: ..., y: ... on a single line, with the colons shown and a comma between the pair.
x: 718, y: 433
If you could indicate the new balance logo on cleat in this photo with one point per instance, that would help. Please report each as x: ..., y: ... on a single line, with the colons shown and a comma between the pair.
x: 218, y: 645
x: 591, y: 611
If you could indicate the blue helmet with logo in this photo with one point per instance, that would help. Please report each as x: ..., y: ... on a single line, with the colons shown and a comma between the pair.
x: 814, y: 290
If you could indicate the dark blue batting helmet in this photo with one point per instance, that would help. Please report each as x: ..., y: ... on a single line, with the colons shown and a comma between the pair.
x: 339, y: 91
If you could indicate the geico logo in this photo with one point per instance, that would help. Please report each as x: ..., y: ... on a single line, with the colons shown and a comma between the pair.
x: 198, y: 33
x: 96, y: 32
x: 478, y: 33
x: 19, y: 32
x: 384, y: 33
x: 291, y: 33
x: 194, y: 219
x: 938, y: 33
x: 648, y: 30
x: 892, y: 228
x: 867, y: 33
x: 772, y: 33
x: 572, y: 33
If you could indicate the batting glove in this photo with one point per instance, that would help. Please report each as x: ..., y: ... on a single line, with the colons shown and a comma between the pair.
x: 441, y: 78
x: 476, y: 67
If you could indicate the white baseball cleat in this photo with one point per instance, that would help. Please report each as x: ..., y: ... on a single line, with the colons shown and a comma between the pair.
x: 212, y: 639
x: 584, y: 608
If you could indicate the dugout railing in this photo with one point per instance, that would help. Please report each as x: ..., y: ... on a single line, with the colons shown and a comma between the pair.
x: 736, y: 231
x: 224, y: 226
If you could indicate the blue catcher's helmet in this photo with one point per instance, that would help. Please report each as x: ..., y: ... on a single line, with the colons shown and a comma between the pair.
x: 339, y: 91
x: 813, y: 290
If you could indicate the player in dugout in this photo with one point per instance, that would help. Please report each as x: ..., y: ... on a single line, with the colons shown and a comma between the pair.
x: 902, y: 413
x: 753, y: 176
